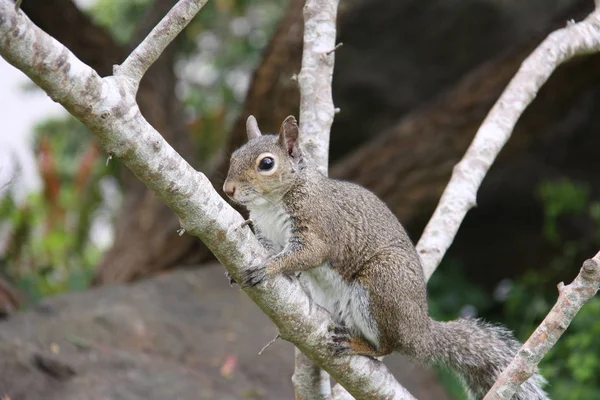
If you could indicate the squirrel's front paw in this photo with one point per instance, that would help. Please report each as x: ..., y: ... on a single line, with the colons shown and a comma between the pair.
x: 254, y: 275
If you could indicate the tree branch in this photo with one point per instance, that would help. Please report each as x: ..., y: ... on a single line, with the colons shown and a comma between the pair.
x: 314, y: 81
x: 148, y: 51
x: 460, y: 194
x: 339, y: 393
x: 153, y: 14
x: 310, y: 381
x: 316, y: 117
x: 570, y: 300
x: 107, y: 107
x: 316, y: 102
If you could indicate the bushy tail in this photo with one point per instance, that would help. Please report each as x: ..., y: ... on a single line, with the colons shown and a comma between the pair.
x: 478, y: 352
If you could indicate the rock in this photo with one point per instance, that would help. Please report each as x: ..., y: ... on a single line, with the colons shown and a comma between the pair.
x: 182, y: 335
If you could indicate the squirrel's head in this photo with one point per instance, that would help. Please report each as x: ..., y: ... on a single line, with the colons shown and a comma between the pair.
x: 264, y: 169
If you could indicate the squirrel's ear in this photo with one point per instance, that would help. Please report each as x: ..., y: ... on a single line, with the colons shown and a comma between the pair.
x: 288, y: 134
x: 252, y: 128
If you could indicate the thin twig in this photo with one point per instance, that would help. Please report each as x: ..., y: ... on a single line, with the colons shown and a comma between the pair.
x: 269, y: 344
x: 337, y: 46
x: 570, y: 300
x: 148, y: 51
x: 460, y: 194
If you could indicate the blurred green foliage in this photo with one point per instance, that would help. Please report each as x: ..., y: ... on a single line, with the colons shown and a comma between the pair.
x: 49, y: 250
x: 572, y: 366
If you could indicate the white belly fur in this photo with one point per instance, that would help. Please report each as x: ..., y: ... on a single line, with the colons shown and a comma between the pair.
x: 348, y: 303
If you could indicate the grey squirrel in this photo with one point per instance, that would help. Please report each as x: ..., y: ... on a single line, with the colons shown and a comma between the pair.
x: 357, y: 262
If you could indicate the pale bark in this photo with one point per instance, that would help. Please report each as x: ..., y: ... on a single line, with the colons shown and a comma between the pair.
x: 107, y: 107
x: 570, y: 300
x: 339, y: 393
x: 310, y: 381
x: 460, y: 194
x: 316, y: 102
x: 148, y: 51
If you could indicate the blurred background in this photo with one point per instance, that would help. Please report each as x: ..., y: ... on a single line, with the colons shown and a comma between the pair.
x: 101, y: 299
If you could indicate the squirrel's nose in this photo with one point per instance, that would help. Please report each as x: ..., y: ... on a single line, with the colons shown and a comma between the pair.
x: 229, y: 189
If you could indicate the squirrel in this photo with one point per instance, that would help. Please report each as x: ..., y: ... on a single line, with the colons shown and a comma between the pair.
x: 356, y: 260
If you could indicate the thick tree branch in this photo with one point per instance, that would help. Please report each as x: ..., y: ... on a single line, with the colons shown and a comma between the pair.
x: 460, y: 194
x: 107, y: 107
x: 570, y: 300
x: 148, y: 51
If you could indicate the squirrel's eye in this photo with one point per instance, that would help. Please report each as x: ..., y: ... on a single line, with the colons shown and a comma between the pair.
x: 266, y: 164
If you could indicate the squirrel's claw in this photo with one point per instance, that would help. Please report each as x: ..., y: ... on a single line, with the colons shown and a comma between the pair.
x: 340, y: 339
x: 255, y: 275
x: 232, y: 281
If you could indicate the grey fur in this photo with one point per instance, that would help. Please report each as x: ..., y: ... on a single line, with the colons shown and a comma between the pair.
x: 359, y: 264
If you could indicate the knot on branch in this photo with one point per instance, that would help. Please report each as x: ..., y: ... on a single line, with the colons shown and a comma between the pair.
x: 591, y: 270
